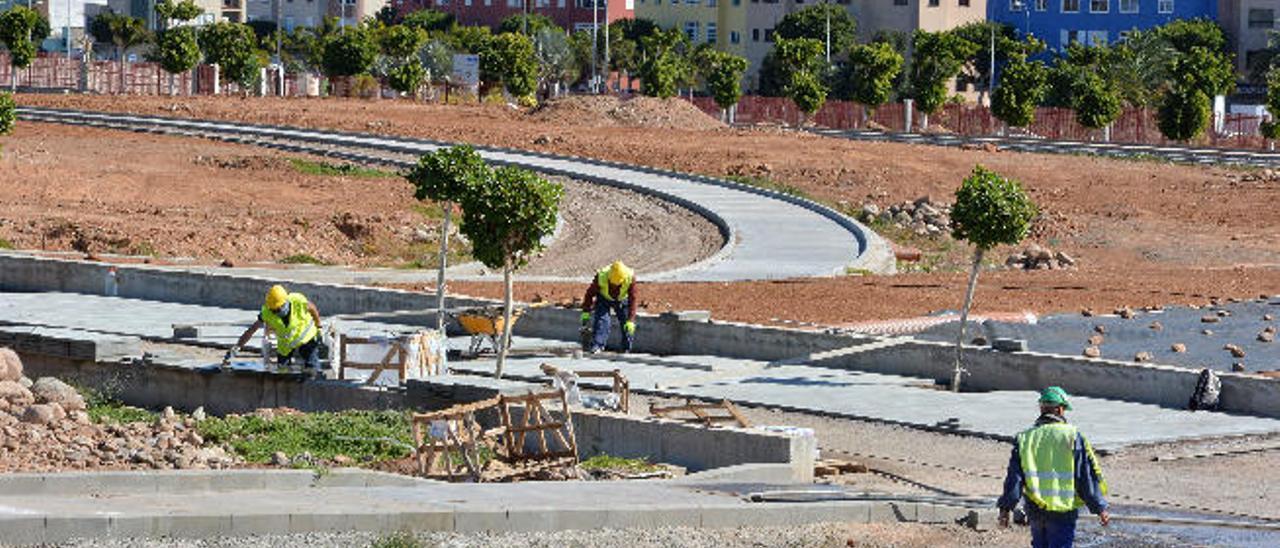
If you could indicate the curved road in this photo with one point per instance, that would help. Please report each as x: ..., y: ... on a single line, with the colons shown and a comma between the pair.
x: 768, y: 235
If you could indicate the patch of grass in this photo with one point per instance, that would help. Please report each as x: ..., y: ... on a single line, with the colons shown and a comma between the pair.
x: 361, y: 435
x: 770, y: 184
x: 104, y: 409
x: 397, y: 540
x: 5, y: 244
x: 610, y: 462
x: 302, y: 258
x: 328, y: 169
x: 144, y: 248
x: 430, y: 211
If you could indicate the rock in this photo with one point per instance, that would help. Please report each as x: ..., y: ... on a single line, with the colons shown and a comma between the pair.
x: 421, y: 235
x: 1092, y: 352
x: 343, y: 460
x: 1269, y: 329
x: 869, y: 212
x: 1179, y: 348
x: 923, y: 200
x: 38, y: 414
x: 1087, y: 312
x: 1156, y: 326
x: 1100, y: 329
x: 1208, y: 319
x: 1266, y: 337
x: 168, y: 414
x: 1064, y: 259
x: 1096, y: 340
x: 10, y: 365
x: 1265, y: 317
x: 279, y: 459
x: 1235, y: 350
x: 265, y: 414
x: 1224, y: 313
x: 226, y: 263
x: 1014, y: 260
x: 1142, y: 357
x: 58, y: 412
x: 1238, y: 367
x: 1126, y: 313
x: 1206, y: 332
x: 14, y: 394
x: 902, y: 218
x: 26, y: 383
x: 199, y: 414
x: 51, y: 390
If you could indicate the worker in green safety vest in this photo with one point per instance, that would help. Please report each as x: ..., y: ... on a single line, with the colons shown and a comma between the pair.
x: 296, y: 324
x: 1054, y: 467
x: 612, y: 289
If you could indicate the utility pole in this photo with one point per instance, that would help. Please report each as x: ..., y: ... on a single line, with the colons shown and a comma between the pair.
x: 991, y: 69
x: 595, y: 45
x: 826, y: 9
x: 606, y: 44
x: 67, y: 32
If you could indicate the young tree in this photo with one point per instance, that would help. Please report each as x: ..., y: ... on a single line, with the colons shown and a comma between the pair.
x: 234, y: 48
x: 989, y: 210
x: 8, y: 114
x: 1184, y: 113
x: 979, y: 35
x: 528, y: 25
x: 431, y: 20
x: 407, y: 77
x: 506, y: 221
x: 446, y: 176
x: 872, y: 70
x: 177, y: 51
x: 20, y: 30
x: 663, y: 68
x: 1021, y: 88
x: 168, y: 11
x: 1271, y: 128
x: 349, y: 53
x: 399, y: 46
x: 122, y: 31
x: 938, y: 58
x: 557, y: 63
x: 511, y: 58
x: 802, y: 59
x: 812, y: 22
x: 1096, y: 104
x: 724, y: 79
x: 437, y: 59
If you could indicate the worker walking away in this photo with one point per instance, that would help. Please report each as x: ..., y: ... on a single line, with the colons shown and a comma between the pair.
x: 613, y: 289
x: 296, y: 323
x: 1056, y: 470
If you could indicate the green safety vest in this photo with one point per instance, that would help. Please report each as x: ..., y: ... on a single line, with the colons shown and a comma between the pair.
x: 301, y: 328
x: 602, y: 280
x: 1049, y: 468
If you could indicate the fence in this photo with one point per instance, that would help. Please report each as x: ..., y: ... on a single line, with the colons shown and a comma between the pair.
x: 1136, y: 125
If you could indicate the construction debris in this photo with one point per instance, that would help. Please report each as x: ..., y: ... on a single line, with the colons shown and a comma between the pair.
x: 699, y: 412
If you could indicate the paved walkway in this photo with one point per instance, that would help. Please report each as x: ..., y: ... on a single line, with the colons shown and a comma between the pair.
x: 769, y: 235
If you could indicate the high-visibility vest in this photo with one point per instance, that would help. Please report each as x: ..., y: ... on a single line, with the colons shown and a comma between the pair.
x: 301, y: 328
x: 602, y: 280
x: 1049, y: 467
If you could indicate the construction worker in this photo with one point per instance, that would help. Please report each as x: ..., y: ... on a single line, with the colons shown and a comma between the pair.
x: 1055, y: 469
x: 613, y: 288
x: 296, y: 323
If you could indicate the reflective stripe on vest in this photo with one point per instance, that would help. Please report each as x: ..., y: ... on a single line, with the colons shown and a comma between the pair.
x: 1048, y: 466
x: 301, y: 329
x: 602, y: 280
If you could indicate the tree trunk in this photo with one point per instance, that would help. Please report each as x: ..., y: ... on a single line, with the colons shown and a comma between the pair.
x: 924, y: 121
x: 505, y: 340
x: 964, y: 317
x: 173, y: 90
x: 444, y: 262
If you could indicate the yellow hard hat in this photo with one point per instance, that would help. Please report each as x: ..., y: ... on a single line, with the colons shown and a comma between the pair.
x: 619, y: 273
x: 276, y: 297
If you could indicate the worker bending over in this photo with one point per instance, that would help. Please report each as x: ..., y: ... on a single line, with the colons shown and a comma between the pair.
x: 614, y: 288
x: 1055, y: 469
x: 296, y: 323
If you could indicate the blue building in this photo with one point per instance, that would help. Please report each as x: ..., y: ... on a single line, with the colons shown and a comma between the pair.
x: 1061, y: 22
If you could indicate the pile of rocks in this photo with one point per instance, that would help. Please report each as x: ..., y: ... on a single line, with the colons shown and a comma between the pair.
x: 44, y: 426
x: 922, y: 216
x: 1035, y: 257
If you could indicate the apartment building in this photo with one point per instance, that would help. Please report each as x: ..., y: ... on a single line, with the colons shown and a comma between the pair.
x: 745, y: 27
x: 1062, y: 22
x: 573, y: 15
x: 290, y: 14
x: 1248, y: 24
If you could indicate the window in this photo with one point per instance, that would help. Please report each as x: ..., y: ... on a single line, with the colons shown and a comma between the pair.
x: 1070, y: 6
x: 1069, y: 37
x: 691, y: 30
x: 964, y: 3
x: 560, y: 4
x: 1099, y: 6
x: 691, y: 1
x: 466, y: 2
x: 933, y: 3
x: 1017, y: 5
x: 1165, y: 6
x: 1262, y: 18
x: 899, y: 2
x: 538, y: 3
x: 734, y: 37
x: 1123, y: 35
x: 737, y: 2
x: 515, y: 3
x: 711, y: 3
x: 711, y: 33
x: 1128, y: 6
x: 755, y: 35
x: 768, y: 35
x: 1097, y: 38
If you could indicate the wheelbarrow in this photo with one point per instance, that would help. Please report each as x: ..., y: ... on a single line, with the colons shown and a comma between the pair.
x: 484, y: 325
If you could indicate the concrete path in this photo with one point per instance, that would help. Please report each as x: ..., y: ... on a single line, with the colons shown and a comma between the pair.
x: 217, y: 507
x: 769, y: 235
x: 795, y: 385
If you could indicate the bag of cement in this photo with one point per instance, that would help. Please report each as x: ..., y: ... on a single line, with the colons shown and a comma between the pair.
x: 608, y: 402
x: 1205, y: 397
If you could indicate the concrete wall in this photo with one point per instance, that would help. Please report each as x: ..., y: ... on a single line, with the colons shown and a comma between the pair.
x: 991, y: 370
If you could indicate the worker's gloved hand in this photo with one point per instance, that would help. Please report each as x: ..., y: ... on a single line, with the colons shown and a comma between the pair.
x: 586, y: 318
x: 630, y: 327
x: 231, y: 353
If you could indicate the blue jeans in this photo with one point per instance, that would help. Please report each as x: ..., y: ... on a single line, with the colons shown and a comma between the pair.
x: 600, y: 322
x: 1051, y: 529
x: 308, y: 353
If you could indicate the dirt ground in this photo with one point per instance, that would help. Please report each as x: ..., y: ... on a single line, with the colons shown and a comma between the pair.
x: 62, y: 189
x: 1144, y: 232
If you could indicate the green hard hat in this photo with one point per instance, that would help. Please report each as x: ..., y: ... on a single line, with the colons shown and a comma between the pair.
x: 1054, y: 395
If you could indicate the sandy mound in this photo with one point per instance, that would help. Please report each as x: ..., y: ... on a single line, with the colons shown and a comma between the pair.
x: 604, y: 110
